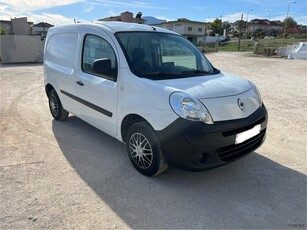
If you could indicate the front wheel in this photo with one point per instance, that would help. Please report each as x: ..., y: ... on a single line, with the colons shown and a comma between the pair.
x: 144, y: 150
x: 56, y: 108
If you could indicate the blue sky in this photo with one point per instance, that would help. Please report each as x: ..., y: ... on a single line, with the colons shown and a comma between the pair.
x: 60, y: 12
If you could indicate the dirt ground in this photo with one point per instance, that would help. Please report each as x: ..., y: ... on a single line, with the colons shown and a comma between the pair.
x: 69, y: 175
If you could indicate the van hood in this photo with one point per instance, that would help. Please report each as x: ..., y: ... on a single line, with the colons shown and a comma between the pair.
x: 209, y: 86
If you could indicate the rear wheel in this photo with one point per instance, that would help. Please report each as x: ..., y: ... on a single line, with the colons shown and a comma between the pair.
x: 144, y: 150
x: 56, y: 108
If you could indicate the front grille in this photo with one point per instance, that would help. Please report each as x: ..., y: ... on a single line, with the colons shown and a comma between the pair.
x: 242, y: 129
x: 232, y: 152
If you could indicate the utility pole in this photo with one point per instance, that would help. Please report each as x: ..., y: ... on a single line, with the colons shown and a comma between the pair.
x: 269, y: 22
x: 285, y: 26
x: 240, y: 31
x: 246, y: 29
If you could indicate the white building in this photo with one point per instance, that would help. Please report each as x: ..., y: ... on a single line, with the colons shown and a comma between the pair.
x: 192, y: 30
x: 41, y: 28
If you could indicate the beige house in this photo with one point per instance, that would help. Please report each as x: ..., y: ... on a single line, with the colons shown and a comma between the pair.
x: 17, y: 26
x: 125, y: 17
x: 265, y: 24
x: 192, y: 30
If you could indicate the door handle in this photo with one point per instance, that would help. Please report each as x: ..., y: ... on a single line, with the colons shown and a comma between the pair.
x: 80, y: 83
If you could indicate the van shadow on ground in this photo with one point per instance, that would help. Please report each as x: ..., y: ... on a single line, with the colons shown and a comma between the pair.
x: 254, y: 192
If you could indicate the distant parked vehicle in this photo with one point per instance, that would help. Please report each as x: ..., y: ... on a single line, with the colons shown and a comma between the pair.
x: 299, y: 52
x: 268, y: 37
x: 226, y: 39
x: 214, y: 39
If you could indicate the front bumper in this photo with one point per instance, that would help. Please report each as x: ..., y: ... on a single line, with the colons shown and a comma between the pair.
x: 197, y: 146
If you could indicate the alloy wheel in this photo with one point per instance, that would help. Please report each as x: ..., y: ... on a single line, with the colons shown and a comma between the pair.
x: 141, y: 150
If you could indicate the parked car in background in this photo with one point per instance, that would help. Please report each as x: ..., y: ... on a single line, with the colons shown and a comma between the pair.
x: 268, y: 37
x: 226, y: 39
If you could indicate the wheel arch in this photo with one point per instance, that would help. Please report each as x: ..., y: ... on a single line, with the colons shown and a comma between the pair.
x: 48, y: 89
x: 128, y: 121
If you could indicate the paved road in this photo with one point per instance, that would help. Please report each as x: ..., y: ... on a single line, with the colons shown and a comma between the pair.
x: 66, y: 175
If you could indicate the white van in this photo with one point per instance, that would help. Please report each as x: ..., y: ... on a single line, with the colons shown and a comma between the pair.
x: 153, y: 90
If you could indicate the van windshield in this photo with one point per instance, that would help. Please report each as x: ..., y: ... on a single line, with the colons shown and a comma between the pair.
x: 160, y: 56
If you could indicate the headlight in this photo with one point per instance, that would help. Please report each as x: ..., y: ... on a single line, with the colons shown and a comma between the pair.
x: 257, y: 92
x: 189, y: 108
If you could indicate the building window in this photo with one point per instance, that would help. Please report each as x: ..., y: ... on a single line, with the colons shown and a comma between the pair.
x: 189, y: 28
x: 200, y: 29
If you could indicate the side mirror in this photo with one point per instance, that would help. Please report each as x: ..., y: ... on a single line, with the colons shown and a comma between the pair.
x: 102, y: 66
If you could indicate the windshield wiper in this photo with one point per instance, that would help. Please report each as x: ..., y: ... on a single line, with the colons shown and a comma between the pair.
x: 160, y: 74
x: 195, y: 72
x: 169, y: 75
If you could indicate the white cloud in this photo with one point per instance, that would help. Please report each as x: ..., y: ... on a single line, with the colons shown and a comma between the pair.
x: 140, y: 5
x: 302, y: 20
x: 237, y: 16
x: 5, y: 11
x: 166, y: 18
x: 32, y: 5
x: 32, y: 8
x: 113, y: 13
x: 261, y: 3
x: 26, y: 8
x: 88, y: 8
x: 230, y: 17
x: 54, y: 19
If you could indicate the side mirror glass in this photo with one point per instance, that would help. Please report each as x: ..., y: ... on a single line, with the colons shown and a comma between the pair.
x: 102, y: 66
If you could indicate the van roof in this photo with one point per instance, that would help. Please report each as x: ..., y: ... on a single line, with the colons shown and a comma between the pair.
x: 114, y: 27
x: 126, y: 26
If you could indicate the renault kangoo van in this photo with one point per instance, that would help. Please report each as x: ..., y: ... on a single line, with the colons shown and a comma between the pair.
x: 153, y: 90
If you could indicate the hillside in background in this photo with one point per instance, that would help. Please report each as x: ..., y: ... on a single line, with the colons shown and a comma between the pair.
x: 152, y: 20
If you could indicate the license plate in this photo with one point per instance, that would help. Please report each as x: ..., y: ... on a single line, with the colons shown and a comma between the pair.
x: 241, y: 137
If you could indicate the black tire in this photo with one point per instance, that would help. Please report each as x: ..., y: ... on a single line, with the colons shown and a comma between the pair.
x: 56, y: 108
x: 144, y: 150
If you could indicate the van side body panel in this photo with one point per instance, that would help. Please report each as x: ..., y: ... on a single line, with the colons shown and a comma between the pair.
x: 98, y: 94
x: 60, y: 62
x: 139, y: 96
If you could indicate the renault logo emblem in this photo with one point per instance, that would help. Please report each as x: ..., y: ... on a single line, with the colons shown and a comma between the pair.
x: 240, y: 103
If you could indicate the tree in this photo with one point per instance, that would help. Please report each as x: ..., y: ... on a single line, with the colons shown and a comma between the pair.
x: 226, y: 25
x: 3, y: 31
x: 217, y: 26
x: 259, y: 33
x: 290, y: 22
x: 241, y: 25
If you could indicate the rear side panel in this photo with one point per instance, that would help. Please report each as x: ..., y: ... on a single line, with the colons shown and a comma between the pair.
x: 61, y: 53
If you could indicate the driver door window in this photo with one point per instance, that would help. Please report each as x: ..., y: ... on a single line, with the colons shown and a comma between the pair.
x: 95, y: 48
